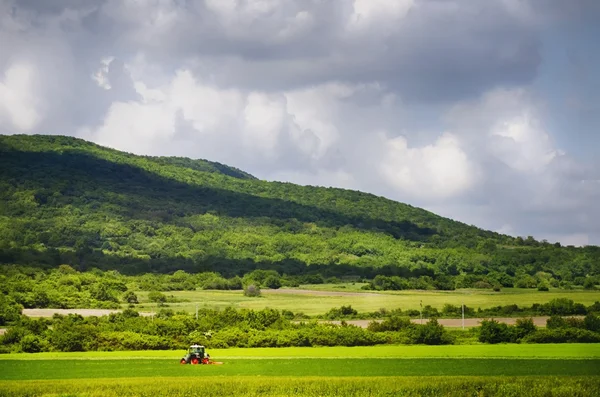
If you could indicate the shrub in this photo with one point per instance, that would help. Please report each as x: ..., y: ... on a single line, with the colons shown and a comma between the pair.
x: 252, y: 290
x: 130, y: 297
x: 272, y: 282
x: 562, y: 335
x: 32, y: 344
x: 491, y: 331
x: 482, y: 285
x: 523, y: 327
x: 393, y: 323
x: 591, y: 322
x: 431, y: 333
x: 157, y: 297
x: 589, y: 284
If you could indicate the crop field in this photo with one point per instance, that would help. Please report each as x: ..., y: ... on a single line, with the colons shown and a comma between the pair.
x: 318, y: 299
x: 482, y: 370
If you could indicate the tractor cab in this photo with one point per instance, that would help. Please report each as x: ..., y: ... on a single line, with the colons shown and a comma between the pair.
x: 196, y: 349
x: 196, y: 355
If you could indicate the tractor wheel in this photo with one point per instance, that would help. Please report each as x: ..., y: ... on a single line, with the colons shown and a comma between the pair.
x: 194, y: 361
x: 182, y: 361
x: 205, y: 361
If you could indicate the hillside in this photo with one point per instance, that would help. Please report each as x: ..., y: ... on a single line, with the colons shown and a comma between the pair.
x: 67, y: 201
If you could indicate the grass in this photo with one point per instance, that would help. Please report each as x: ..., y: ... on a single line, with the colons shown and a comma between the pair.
x: 556, y: 351
x: 308, y: 386
x: 366, y: 301
x: 329, y: 367
x: 472, y: 370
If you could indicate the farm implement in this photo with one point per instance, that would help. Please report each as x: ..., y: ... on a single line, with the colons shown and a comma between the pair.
x: 197, y: 355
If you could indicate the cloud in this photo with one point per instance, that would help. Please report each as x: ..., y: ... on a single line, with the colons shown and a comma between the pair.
x: 436, y: 103
x: 19, y: 106
x: 432, y: 172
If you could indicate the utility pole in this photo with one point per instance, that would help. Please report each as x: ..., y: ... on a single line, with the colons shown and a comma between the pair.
x: 463, y: 316
x: 421, y: 313
x: 196, y: 312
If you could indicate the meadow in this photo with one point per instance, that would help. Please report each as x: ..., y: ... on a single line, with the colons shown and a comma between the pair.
x: 318, y: 299
x: 547, y: 351
x: 556, y: 386
x: 478, y: 370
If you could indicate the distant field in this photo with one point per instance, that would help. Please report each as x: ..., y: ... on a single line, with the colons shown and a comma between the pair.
x: 312, y: 301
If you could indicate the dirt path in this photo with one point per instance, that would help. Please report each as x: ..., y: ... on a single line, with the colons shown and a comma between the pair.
x: 82, y: 312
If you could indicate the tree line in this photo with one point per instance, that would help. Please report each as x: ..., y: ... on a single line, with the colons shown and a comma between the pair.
x: 228, y: 328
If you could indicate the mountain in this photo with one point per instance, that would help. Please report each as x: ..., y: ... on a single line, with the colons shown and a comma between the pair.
x: 67, y: 201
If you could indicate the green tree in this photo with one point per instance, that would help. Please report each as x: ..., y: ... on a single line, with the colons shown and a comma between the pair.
x: 157, y: 297
x: 130, y: 297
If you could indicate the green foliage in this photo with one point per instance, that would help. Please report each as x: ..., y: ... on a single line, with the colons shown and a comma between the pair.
x: 431, y: 333
x: 68, y: 202
x: 157, y: 297
x: 492, y: 331
x: 9, y: 309
x: 130, y: 297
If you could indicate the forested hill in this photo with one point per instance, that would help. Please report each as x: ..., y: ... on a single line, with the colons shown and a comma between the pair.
x: 67, y: 201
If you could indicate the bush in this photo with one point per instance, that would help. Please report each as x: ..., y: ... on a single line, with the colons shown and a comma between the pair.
x: 543, y: 287
x: 591, y: 322
x: 9, y: 309
x: 130, y: 297
x: 431, y: 333
x: 32, y: 344
x: 491, y: 331
x: 272, y: 282
x: 393, y: 323
x: 562, y: 335
x: 523, y: 327
x: 157, y: 297
x: 252, y: 290
x: 589, y: 284
x: 482, y: 285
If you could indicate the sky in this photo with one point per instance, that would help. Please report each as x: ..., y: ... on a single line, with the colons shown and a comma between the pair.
x: 487, y: 112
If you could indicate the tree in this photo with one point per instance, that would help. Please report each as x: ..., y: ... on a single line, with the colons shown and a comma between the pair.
x: 589, y: 283
x: 130, y: 297
x: 272, y: 282
x: 491, y: 331
x: 157, y: 297
x: 9, y: 309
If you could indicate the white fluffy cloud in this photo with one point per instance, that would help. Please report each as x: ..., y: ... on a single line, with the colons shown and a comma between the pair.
x: 370, y: 95
x: 433, y: 172
x: 19, y: 104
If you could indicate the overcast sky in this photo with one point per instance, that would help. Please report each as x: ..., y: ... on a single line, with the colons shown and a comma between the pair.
x: 487, y: 112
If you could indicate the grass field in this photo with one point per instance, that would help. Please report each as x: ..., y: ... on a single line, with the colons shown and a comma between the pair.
x: 477, y: 370
x: 324, y: 297
x: 550, y: 351
x: 309, y: 386
x: 329, y: 367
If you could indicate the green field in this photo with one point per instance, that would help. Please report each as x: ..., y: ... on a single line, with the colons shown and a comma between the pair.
x: 365, y: 301
x: 310, y: 386
x: 330, y: 367
x: 482, y: 370
x: 549, y: 351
